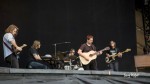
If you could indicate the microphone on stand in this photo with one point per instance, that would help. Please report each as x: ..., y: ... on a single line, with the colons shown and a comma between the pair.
x: 67, y: 42
x: 54, y: 44
x: 60, y: 43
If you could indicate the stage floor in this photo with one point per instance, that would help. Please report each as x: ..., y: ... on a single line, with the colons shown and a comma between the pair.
x: 51, y: 76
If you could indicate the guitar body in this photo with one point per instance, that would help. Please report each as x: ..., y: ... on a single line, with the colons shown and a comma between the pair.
x: 88, y: 54
x: 109, y: 59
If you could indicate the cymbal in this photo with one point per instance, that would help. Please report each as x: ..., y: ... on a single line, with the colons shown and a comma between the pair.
x: 73, y: 57
x: 60, y: 55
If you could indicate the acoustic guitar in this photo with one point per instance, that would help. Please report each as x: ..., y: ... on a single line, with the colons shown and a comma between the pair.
x: 91, y: 55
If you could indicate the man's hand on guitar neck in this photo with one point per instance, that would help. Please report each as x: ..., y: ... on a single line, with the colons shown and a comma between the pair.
x: 13, y: 42
x: 19, y: 48
x: 119, y: 54
x: 100, y: 52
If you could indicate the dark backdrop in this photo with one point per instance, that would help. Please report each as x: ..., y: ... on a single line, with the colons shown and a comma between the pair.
x: 54, y: 21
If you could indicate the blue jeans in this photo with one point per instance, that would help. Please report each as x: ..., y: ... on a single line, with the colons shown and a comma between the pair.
x: 114, y: 66
x: 37, y: 65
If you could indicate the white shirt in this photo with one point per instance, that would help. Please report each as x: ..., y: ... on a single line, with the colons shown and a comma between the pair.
x: 7, y: 38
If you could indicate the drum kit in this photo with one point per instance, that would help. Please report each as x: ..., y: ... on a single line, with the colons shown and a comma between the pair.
x: 63, y: 61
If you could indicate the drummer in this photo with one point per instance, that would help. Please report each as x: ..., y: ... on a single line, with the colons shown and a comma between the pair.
x: 72, y: 52
x: 70, y: 57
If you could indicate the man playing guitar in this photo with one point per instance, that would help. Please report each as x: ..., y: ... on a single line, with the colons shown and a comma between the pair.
x: 8, y: 44
x: 86, y: 47
x: 114, y: 65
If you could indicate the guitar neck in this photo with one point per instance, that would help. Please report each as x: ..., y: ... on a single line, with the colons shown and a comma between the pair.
x: 123, y: 52
x: 22, y: 46
x: 117, y: 54
x: 97, y: 52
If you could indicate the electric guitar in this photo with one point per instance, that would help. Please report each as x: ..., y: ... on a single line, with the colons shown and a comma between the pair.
x: 16, y: 52
x: 91, y: 55
x: 112, y: 57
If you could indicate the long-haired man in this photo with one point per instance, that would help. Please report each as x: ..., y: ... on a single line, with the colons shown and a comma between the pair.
x: 8, y: 43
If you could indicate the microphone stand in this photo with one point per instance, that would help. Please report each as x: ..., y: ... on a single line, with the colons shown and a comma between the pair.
x: 55, y: 46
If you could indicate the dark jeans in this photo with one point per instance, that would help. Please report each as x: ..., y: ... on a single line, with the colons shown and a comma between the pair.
x: 114, y: 66
x: 12, y: 60
x: 37, y: 65
x: 91, y: 66
x: 60, y: 64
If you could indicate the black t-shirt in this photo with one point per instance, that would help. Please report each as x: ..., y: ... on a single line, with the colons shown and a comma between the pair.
x: 85, y: 48
x: 31, y: 52
x: 113, y: 52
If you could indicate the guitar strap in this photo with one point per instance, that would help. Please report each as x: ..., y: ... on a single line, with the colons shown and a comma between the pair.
x: 8, y: 47
x: 11, y: 50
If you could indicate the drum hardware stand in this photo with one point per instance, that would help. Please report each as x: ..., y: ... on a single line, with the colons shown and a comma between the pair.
x: 55, y: 46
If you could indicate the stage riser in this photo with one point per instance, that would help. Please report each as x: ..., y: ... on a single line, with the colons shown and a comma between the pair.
x: 69, y: 79
x: 70, y: 72
x: 50, y: 76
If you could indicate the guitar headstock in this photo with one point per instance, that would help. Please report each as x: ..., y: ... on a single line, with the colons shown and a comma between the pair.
x: 106, y: 48
x: 24, y: 45
x: 127, y: 50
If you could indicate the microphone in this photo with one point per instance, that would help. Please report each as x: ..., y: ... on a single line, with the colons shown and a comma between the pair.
x: 67, y: 42
x: 60, y: 43
x: 54, y: 44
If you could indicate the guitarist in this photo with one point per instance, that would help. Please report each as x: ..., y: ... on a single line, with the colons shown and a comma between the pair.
x: 8, y: 44
x: 114, y: 65
x: 86, y: 47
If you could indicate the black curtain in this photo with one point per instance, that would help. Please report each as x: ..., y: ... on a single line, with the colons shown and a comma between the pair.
x: 54, y: 21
